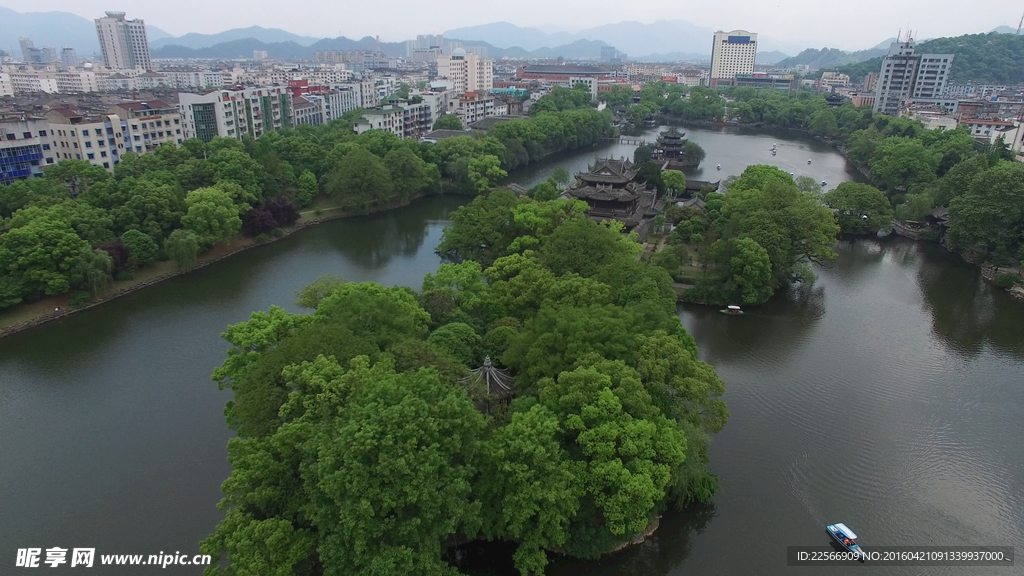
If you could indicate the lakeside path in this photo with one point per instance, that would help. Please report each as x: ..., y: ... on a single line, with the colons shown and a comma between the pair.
x: 25, y: 316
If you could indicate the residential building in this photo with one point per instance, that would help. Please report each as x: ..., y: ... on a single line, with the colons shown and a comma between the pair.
x: 588, y: 81
x: 308, y: 110
x: 259, y: 55
x: 871, y: 81
x: 608, y: 53
x: 560, y: 74
x: 37, y: 56
x: 932, y: 117
x: 773, y: 81
x: 123, y: 42
x: 68, y: 58
x: 417, y: 119
x: 234, y: 113
x: 25, y: 149
x: 387, y: 118
x: 340, y: 100
x: 424, y: 42
x: 99, y: 140
x: 6, y: 87
x: 468, y: 72
x: 732, y: 53
x: 863, y: 99
x: 31, y: 81
x: 831, y: 79
x: 76, y: 81
x: 471, y: 107
x: 985, y: 130
x: 907, y: 77
x: 147, y: 124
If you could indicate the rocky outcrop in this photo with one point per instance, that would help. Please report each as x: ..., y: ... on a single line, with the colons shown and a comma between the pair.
x: 641, y: 537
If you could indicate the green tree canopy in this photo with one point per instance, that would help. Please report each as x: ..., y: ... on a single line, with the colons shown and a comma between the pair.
x: 859, y: 208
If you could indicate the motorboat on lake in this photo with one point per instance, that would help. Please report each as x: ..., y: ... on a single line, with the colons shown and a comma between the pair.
x: 846, y: 538
x: 823, y: 183
x: 808, y: 160
x: 732, y: 310
x: 719, y: 167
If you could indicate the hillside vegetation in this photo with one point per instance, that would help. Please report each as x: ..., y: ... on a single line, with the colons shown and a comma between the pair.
x: 992, y: 58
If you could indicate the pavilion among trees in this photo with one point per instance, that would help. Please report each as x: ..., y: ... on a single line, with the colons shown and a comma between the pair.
x: 675, y: 152
x: 611, y: 188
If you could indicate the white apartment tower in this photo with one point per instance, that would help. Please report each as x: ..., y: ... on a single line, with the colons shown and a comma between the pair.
x: 123, y: 42
x: 733, y: 53
x: 467, y: 72
x: 908, y: 77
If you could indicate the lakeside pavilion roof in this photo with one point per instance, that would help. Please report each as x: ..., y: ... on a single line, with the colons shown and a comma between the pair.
x: 603, y: 193
x: 498, y: 382
x: 609, y: 171
x: 671, y: 135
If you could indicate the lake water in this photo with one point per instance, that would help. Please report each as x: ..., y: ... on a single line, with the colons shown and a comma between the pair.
x: 888, y: 396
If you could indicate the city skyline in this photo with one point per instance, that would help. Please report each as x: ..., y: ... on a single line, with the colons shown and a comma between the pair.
x: 793, y: 22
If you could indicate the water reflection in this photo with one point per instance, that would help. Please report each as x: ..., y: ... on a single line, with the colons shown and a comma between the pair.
x: 664, y: 551
x: 373, y: 241
x: 772, y: 332
x: 967, y: 312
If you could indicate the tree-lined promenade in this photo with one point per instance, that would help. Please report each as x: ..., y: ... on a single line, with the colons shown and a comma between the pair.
x: 182, y: 201
x: 363, y: 448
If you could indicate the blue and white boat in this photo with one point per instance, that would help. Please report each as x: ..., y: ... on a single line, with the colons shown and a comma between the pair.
x: 846, y: 538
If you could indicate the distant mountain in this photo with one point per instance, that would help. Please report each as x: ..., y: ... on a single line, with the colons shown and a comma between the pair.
x: 771, y: 57
x: 884, y: 45
x: 829, y: 58
x: 268, y: 35
x: 288, y: 50
x: 505, y: 35
x: 1004, y: 30
x: 633, y: 38
x: 673, y: 57
x: 57, y: 29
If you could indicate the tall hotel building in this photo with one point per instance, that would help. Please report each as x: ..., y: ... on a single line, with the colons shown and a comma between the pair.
x: 123, y: 42
x: 732, y: 53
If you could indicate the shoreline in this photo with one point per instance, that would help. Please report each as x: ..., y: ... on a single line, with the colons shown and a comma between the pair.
x: 247, y: 243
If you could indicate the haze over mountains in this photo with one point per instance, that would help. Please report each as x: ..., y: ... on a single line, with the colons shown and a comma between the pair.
x: 664, y: 40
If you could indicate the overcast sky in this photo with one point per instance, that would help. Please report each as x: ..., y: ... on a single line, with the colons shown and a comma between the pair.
x: 840, y: 24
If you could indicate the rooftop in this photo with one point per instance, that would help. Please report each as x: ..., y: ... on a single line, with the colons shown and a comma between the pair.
x: 557, y: 69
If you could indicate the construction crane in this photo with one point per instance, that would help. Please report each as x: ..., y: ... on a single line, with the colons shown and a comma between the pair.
x: 1020, y: 25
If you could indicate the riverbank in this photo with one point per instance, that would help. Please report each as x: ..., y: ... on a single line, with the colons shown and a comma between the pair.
x: 25, y: 316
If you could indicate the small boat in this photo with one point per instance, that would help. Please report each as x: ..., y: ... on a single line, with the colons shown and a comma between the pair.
x: 823, y: 183
x: 719, y: 167
x: 808, y: 160
x: 846, y: 538
x: 732, y: 310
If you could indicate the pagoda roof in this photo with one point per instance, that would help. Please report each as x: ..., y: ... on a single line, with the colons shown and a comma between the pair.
x: 609, y: 171
x: 672, y: 133
x: 499, y: 383
x: 628, y: 193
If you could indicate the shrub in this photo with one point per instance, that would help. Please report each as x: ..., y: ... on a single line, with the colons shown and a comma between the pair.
x: 276, y: 233
x: 262, y: 239
x: 124, y: 275
x: 80, y: 298
x: 1006, y: 280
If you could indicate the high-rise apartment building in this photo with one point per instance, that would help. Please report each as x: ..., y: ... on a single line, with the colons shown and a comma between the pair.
x: 32, y: 55
x: 732, y: 53
x: 123, y: 42
x: 423, y: 42
x: 467, y: 72
x: 908, y: 77
x: 68, y: 58
x: 236, y: 113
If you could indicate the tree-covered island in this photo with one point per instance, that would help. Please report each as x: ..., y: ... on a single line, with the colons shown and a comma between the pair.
x: 366, y: 446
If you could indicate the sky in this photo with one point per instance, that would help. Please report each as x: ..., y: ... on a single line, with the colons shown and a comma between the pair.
x: 837, y: 24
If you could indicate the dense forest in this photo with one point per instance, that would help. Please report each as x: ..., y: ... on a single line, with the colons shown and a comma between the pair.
x: 364, y: 447
x: 79, y: 228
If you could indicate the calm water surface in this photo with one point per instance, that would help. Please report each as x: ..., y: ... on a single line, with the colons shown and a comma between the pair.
x: 888, y: 396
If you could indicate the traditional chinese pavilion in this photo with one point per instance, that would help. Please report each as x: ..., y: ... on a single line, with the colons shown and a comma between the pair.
x: 671, y: 150
x: 611, y: 189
